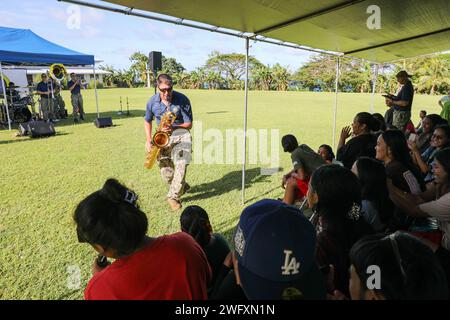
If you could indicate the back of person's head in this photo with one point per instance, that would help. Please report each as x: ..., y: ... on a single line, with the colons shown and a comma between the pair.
x: 289, y: 143
x: 379, y: 117
x: 274, y: 248
x: 195, y: 221
x: 409, y: 270
x: 111, y: 218
x: 365, y: 118
x: 338, y: 193
x: 372, y: 176
x: 423, y: 112
x: 329, y: 152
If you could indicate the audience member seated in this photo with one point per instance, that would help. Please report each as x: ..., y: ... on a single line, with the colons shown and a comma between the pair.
x: 335, y: 195
x: 439, y: 140
x: 304, y: 162
x: 326, y: 152
x: 363, y: 141
x: 429, y: 122
x: 419, y: 127
x: 383, y: 126
x: 172, y: 267
x: 376, y: 207
x: 407, y: 268
x: 195, y: 221
x: 392, y: 150
x: 434, y: 202
x: 274, y: 254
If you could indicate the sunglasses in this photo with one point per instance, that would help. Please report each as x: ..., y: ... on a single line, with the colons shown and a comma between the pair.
x: 166, y: 90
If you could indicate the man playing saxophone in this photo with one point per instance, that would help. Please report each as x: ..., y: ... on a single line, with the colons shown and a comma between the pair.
x: 174, y: 158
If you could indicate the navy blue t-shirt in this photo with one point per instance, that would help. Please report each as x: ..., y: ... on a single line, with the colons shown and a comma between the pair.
x: 76, y: 89
x: 180, y: 105
x: 406, y: 93
x: 43, y: 87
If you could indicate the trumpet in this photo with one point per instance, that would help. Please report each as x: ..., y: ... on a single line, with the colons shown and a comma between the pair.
x: 160, y: 139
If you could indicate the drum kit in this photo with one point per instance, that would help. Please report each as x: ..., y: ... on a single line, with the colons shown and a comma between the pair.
x: 18, y: 105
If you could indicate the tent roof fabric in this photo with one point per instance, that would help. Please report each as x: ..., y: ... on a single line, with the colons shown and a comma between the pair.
x: 19, y: 46
x: 408, y: 27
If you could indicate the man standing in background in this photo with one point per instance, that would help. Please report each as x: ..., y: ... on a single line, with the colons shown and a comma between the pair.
x: 76, y: 98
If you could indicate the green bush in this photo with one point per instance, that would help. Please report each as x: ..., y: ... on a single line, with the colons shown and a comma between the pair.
x: 91, y: 84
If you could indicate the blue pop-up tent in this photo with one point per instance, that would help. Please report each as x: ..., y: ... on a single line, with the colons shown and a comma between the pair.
x: 22, y: 46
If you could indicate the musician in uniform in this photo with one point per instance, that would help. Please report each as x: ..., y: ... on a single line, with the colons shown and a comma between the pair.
x: 76, y: 98
x: 174, y: 158
x: 60, y: 105
x: 46, y: 102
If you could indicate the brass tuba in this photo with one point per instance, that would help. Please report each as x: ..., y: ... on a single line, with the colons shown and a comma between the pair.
x: 58, y: 72
x: 160, y: 139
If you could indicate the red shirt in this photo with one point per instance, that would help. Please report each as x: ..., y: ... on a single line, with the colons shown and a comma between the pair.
x: 172, y: 267
x: 302, y: 186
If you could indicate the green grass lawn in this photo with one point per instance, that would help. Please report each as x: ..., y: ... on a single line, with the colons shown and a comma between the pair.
x: 42, y: 180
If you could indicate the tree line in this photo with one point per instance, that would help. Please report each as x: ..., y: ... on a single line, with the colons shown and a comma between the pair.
x: 430, y: 74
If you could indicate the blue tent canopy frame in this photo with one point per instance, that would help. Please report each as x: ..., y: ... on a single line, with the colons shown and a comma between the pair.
x: 22, y: 46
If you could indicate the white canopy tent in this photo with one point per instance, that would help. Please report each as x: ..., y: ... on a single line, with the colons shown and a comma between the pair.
x: 406, y: 28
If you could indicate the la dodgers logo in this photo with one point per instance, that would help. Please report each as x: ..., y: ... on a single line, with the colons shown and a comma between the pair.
x: 291, y: 266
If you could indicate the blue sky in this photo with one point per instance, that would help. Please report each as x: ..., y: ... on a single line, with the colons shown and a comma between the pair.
x: 113, y: 37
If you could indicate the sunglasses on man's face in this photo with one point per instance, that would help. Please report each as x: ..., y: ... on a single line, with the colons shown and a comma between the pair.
x: 166, y: 90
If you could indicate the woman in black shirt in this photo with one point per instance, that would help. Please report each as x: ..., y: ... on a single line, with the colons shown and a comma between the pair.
x: 363, y: 142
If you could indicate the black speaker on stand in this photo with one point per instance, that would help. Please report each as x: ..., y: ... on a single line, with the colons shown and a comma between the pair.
x: 155, y: 63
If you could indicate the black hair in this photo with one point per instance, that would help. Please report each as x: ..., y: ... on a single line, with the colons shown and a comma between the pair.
x: 289, y: 143
x: 111, y: 218
x: 436, y: 120
x: 164, y: 78
x: 195, y: 221
x: 422, y: 276
x: 379, y: 117
x: 446, y: 129
x: 424, y: 112
x: 443, y: 156
x: 330, y: 152
x: 396, y: 142
x: 72, y: 74
x: 339, y: 191
x: 372, y: 176
x: 366, y: 118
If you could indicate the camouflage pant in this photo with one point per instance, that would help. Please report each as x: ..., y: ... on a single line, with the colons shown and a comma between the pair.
x: 77, y: 104
x: 173, y: 161
x: 47, y: 108
x: 400, y: 119
x: 60, y: 106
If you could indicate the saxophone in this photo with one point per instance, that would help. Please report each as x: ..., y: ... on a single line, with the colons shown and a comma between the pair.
x: 160, y: 139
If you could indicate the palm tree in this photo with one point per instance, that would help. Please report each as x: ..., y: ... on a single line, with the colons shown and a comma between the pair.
x: 433, y: 73
x: 280, y: 76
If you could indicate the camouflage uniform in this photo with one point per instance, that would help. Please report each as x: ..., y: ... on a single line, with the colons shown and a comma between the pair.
x: 173, y: 161
x: 47, y: 108
x: 400, y: 119
x: 77, y: 104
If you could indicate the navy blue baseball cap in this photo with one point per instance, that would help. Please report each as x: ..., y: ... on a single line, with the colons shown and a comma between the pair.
x: 275, y: 245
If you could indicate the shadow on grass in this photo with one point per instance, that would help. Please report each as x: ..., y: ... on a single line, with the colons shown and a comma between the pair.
x: 28, y: 138
x: 229, y: 182
x: 90, y: 117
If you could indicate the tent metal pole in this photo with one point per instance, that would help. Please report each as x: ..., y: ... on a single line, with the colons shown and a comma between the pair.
x: 95, y: 89
x: 244, y: 146
x: 4, y: 97
x: 338, y: 62
x: 374, y: 85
